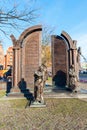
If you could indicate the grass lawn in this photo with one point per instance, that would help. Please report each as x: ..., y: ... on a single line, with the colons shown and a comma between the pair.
x: 59, y: 114
x: 2, y: 93
x: 49, y: 81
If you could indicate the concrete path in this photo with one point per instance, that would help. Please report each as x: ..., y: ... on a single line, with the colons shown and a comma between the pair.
x: 49, y: 92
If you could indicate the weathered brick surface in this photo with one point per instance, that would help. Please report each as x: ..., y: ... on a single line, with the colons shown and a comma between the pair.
x: 27, y: 55
x: 59, y: 60
x: 31, y: 59
x: 64, y: 54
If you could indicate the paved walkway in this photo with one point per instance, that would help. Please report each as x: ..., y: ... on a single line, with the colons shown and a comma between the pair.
x: 55, y: 93
x: 57, y: 115
x: 54, y: 116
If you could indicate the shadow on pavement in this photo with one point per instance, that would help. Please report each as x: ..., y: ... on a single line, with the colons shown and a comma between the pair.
x: 27, y: 94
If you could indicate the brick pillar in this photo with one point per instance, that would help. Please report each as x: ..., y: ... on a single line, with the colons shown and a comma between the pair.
x: 16, y: 57
x: 16, y: 66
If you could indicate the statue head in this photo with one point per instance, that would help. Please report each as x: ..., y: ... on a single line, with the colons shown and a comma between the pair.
x: 72, y: 66
x: 40, y: 68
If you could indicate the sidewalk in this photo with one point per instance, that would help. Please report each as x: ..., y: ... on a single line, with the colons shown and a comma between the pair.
x: 52, y: 92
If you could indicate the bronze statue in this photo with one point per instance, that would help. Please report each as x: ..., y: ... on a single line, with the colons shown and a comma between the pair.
x: 72, y: 78
x: 40, y: 77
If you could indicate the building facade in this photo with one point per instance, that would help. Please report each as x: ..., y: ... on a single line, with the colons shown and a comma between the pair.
x: 8, y: 58
x: 1, y: 57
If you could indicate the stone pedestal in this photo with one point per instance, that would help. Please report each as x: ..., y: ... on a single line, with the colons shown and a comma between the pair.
x: 15, y: 92
x: 37, y: 104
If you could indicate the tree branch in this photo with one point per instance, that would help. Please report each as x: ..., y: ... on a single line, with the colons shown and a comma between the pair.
x: 14, y: 17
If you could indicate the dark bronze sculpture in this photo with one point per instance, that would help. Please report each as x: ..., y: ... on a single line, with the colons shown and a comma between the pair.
x: 40, y: 77
x: 72, y: 78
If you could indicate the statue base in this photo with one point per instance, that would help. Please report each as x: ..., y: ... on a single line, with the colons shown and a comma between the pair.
x: 15, y: 92
x: 37, y: 104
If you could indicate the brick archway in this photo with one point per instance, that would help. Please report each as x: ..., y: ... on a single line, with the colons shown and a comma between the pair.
x: 64, y: 54
x: 27, y: 55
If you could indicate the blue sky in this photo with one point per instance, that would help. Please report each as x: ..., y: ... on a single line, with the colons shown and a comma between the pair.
x: 67, y: 15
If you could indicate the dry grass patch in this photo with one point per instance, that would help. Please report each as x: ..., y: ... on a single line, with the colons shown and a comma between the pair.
x: 2, y: 93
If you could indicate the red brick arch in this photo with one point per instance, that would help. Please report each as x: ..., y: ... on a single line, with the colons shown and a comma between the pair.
x: 68, y: 39
x: 27, y: 55
x: 29, y: 31
x: 64, y: 54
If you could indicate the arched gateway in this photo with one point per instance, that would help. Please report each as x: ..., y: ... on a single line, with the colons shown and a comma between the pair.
x: 26, y: 55
x: 64, y: 54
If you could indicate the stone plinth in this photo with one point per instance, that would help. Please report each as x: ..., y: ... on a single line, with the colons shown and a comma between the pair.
x: 37, y: 104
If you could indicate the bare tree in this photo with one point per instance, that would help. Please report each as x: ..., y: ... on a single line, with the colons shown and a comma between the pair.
x: 16, y: 15
x: 46, y: 44
x: 46, y: 35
